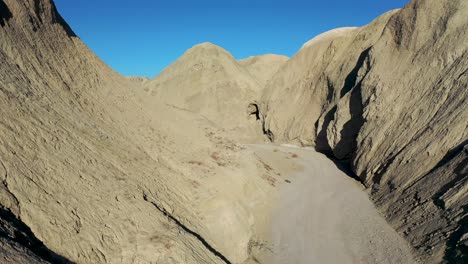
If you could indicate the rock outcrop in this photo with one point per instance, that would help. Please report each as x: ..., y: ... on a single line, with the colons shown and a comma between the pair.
x: 389, y: 98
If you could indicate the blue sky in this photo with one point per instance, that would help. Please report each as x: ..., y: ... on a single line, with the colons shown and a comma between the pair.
x: 142, y: 37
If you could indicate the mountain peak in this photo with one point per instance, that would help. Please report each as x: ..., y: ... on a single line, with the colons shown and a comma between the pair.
x: 201, y: 56
x: 206, y: 45
x: 207, y: 49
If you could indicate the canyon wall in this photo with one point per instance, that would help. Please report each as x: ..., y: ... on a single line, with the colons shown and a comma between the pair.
x: 93, y: 170
x: 390, y: 100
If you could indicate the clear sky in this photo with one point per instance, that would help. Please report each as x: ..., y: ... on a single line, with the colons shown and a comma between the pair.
x: 142, y: 37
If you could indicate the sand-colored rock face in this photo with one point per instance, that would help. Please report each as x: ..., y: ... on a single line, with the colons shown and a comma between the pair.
x: 328, y: 36
x: 138, y: 79
x: 208, y: 81
x: 391, y: 98
x: 56, y: 126
x: 263, y: 67
x: 99, y: 171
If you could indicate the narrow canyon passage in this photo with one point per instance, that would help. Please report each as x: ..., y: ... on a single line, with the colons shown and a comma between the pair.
x: 324, y: 216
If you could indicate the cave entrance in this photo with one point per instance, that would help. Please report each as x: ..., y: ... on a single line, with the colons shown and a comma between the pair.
x: 253, y: 111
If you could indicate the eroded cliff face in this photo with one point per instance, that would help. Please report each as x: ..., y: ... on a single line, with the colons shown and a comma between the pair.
x: 101, y: 173
x: 390, y: 99
x: 66, y: 164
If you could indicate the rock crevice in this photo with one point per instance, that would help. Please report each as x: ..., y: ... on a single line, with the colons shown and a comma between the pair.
x: 185, y: 228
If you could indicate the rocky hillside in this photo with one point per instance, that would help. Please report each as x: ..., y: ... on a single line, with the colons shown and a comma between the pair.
x: 263, y: 67
x: 92, y: 170
x: 390, y: 100
x: 208, y: 81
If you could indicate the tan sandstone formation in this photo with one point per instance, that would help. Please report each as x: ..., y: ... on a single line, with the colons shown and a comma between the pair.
x: 209, y: 82
x: 263, y: 67
x: 390, y: 99
x: 99, y: 172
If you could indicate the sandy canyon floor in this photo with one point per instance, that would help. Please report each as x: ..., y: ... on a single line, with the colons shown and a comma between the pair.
x: 324, y: 216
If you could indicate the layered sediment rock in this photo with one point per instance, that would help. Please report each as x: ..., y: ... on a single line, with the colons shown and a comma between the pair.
x: 97, y: 171
x: 389, y: 98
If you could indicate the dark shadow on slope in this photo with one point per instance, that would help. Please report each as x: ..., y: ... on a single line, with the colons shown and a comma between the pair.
x: 460, y: 153
x: 457, y: 250
x: 253, y: 109
x: 351, y: 79
x: 321, y: 141
x: 38, y: 9
x: 188, y: 230
x: 13, y: 229
x: 343, y: 152
x: 5, y: 13
x: 457, y: 158
x: 345, y: 167
x: 347, y: 146
x: 58, y: 19
x: 450, y: 155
